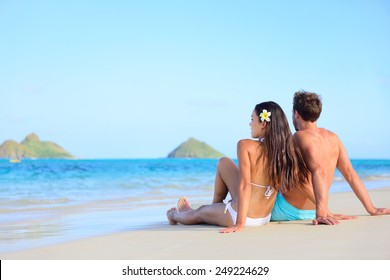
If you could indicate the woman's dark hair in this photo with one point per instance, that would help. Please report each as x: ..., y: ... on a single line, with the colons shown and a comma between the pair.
x: 286, y: 167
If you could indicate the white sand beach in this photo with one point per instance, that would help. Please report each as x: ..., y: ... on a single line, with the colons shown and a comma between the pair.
x: 365, y: 238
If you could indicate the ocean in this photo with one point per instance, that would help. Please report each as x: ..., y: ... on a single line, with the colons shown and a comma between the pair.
x: 44, y: 202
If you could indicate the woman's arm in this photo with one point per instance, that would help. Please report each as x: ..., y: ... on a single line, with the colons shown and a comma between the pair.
x: 244, y: 191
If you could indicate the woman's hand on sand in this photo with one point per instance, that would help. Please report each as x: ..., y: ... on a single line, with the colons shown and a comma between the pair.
x: 232, y: 229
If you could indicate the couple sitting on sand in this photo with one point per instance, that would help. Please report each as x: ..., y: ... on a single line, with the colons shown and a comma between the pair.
x: 280, y: 176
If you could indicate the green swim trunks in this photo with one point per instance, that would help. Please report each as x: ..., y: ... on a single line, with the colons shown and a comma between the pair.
x: 284, y: 211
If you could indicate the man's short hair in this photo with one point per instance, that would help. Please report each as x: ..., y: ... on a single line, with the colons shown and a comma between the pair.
x: 308, y: 105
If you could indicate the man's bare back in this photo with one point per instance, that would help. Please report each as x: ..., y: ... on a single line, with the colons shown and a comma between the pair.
x: 320, y: 149
x: 323, y: 153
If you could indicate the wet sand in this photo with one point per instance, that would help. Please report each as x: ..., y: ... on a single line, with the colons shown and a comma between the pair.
x: 365, y: 238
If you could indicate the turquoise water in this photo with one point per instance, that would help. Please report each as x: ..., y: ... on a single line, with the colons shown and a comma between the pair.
x: 49, y: 201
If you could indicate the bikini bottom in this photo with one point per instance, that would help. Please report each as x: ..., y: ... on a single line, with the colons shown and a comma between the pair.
x: 250, y: 222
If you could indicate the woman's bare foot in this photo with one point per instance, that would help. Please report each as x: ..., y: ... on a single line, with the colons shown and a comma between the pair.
x: 170, y: 214
x: 183, y: 205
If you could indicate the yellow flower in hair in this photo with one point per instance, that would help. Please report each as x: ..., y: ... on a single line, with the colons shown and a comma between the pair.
x: 264, y: 116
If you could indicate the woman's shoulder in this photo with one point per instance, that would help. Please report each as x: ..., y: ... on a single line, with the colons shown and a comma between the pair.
x: 247, y: 144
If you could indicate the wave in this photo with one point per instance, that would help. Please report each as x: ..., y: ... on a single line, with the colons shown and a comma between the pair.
x: 376, y: 177
x: 34, y: 201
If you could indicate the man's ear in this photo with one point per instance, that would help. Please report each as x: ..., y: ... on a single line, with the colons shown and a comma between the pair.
x: 296, y: 115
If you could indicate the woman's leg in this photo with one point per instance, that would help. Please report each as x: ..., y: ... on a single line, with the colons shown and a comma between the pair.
x: 212, y: 214
x: 226, y: 180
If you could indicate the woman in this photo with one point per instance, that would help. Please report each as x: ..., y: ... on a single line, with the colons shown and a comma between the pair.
x: 266, y: 165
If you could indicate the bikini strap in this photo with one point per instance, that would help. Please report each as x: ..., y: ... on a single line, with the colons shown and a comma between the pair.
x: 268, y: 192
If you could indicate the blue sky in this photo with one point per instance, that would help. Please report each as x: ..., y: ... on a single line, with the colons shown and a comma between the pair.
x: 134, y: 79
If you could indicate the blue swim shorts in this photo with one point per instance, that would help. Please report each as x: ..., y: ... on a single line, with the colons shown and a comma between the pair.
x: 284, y: 211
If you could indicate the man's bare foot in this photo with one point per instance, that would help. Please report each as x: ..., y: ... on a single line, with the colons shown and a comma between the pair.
x: 183, y: 205
x: 170, y: 214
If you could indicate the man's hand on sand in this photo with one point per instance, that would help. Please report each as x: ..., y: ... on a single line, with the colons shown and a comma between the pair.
x: 325, y: 221
x: 342, y: 216
x: 380, y: 211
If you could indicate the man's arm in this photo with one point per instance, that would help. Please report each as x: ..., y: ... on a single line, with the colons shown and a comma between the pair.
x: 345, y: 167
x: 320, y: 188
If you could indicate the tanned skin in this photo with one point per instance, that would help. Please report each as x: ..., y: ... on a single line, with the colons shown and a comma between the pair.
x: 323, y: 153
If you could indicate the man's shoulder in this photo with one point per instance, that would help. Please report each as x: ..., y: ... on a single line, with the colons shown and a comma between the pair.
x: 308, y: 137
x: 327, y: 133
x: 314, y: 132
x: 304, y: 134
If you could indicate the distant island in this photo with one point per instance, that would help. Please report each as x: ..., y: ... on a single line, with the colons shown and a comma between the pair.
x: 32, y: 147
x: 193, y: 148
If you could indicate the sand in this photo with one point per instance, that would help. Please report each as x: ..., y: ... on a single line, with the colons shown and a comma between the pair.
x: 366, y: 238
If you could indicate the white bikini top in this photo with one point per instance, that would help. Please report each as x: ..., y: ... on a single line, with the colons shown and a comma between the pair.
x: 268, y: 192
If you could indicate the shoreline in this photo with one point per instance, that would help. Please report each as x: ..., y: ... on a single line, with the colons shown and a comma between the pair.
x: 365, y: 238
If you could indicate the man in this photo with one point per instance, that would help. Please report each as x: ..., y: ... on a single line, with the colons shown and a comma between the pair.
x: 323, y: 153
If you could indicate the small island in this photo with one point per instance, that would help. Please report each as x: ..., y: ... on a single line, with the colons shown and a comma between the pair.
x: 193, y: 148
x: 32, y: 148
